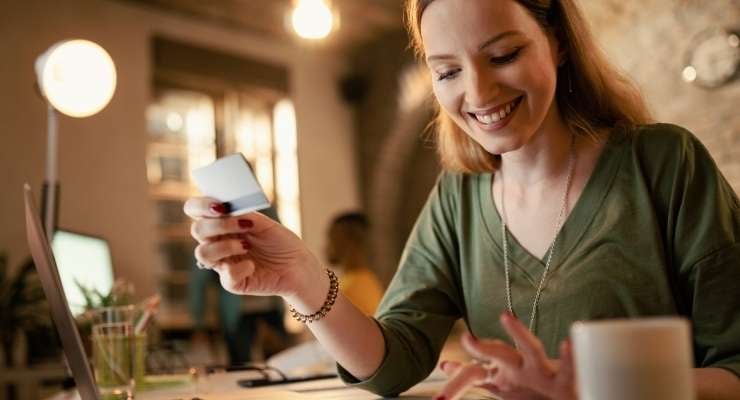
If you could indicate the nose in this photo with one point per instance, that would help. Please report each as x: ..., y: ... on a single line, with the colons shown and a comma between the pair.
x: 480, y: 86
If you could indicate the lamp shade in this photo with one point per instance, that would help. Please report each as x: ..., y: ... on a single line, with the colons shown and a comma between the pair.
x: 77, y: 77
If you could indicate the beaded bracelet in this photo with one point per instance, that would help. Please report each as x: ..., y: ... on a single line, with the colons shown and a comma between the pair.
x: 326, y: 307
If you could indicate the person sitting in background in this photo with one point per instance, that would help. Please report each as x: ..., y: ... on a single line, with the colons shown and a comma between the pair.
x: 347, y: 249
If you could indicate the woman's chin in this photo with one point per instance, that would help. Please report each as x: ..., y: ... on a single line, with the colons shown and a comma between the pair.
x: 499, y: 146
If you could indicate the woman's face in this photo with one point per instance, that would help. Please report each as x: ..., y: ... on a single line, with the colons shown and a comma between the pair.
x: 493, y: 69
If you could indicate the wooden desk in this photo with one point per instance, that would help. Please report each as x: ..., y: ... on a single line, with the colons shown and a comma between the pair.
x: 224, y: 387
x: 27, y: 380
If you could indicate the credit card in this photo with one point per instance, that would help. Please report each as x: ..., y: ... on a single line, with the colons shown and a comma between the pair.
x: 231, y: 180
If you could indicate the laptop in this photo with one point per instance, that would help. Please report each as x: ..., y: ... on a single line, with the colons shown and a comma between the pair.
x: 43, y: 258
x: 77, y: 359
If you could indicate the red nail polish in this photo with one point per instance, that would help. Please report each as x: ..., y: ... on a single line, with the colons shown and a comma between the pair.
x: 245, y: 223
x: 218, y: 208
x: 246, y: 245
x: 440, y: 398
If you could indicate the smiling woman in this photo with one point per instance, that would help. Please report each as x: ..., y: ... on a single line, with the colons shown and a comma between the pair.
x: 558, y: 203
x: 590, y: 94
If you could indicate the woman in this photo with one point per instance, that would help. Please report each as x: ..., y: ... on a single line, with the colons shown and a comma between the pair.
x: 558, y: 204
x: 348, y: 249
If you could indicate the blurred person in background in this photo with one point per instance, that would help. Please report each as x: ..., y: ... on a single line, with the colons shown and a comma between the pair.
x: 348, y: 249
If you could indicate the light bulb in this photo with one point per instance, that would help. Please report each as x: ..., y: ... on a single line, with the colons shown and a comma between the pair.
x: 77, y: 77
x: 312, y: 19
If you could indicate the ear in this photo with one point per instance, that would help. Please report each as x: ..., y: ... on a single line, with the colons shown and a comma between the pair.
x: 557, y: 52
x: 562, y: 57
x: 562, y: 52
x: 558, y: 41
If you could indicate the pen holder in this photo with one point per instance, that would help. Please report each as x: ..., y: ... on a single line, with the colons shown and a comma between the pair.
x: 118, y: 352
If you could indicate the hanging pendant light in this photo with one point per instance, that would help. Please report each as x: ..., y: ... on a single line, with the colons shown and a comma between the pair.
x: 312, y: 19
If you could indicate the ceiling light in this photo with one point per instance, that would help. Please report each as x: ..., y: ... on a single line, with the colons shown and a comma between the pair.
x: 312, y: 19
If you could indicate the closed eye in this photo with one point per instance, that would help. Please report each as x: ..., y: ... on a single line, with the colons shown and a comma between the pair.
x: 448, y: 74
x: 506, y: 58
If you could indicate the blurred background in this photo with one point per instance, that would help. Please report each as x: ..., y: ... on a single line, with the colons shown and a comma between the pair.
x: 330, y: 125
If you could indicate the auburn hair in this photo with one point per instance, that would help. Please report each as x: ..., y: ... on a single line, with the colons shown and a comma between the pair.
x: 592, y: 96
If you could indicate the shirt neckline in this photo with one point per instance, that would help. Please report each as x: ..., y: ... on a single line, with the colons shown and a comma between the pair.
x: 575, y: 225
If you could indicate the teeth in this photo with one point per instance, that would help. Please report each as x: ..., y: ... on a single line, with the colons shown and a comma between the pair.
x: 496, y: 115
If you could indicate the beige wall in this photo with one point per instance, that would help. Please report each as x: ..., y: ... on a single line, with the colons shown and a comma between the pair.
x: 648, y: 39
x: 101, y: 158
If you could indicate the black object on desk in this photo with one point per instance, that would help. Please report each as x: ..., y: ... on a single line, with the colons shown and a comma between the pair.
x: 251, y: 383
x: 266, y: 379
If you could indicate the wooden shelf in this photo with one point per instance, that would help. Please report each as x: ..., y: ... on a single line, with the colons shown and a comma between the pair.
x: 175, y: 232
x: 172, y: 191
x: 176, y: 278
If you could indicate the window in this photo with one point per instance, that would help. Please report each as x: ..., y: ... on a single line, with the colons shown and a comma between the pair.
x: 200, y: 113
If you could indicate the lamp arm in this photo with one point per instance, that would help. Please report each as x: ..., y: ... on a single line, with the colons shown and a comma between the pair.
x: 51, y: 181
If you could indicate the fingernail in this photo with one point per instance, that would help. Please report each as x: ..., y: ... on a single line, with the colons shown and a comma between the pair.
x: 245, y: 223
x: 218, y: 208
x: 442, y: 364
x: 246, y: 245
x: 440, y: 397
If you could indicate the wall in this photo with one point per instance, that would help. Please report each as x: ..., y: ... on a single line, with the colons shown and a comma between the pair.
x: 101, y: 158
x: 648, y: 39
x: 398, y: 167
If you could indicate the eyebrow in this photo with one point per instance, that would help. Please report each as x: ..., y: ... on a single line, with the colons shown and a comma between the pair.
x: 485, y: 44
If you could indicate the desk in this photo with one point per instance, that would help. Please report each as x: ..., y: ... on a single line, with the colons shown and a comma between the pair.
x: 224, y: 387
x: 28, y: 381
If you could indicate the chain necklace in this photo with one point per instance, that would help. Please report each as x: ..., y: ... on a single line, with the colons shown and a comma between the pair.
x: 558, y: 225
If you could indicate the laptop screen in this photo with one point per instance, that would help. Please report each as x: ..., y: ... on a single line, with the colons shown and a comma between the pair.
x: 43, y: 259
x: 82, y: 260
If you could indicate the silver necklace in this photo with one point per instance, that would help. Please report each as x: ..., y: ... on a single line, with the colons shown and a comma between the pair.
x: 558, y: 225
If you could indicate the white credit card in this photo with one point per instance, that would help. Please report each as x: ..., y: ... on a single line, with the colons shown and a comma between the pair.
x: 231, y: 180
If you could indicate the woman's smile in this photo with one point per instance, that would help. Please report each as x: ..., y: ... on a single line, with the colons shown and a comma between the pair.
x: 495, y: 118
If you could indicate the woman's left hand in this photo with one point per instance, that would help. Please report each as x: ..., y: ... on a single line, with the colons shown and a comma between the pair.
x: 524, y: 372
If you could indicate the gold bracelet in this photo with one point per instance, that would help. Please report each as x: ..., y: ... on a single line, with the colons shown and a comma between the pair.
x: 328, y: 303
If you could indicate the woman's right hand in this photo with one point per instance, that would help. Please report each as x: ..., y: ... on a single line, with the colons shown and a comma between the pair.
x: 252, y: 253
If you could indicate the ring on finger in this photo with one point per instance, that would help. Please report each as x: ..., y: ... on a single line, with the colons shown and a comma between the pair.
x: 488, y: 380
x: 487, y: 366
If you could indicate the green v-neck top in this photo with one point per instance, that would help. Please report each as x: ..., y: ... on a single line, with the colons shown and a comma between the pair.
x: 656, y: 231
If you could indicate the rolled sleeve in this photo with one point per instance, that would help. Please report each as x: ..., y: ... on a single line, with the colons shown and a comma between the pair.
x: 422, y: 303
x: 394, y: 376
x: 716, y: 310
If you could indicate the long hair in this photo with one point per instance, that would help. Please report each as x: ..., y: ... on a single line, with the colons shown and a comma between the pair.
x: 591, y: 94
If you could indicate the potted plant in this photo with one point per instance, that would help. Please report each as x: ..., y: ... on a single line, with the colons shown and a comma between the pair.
x: 23, y: 306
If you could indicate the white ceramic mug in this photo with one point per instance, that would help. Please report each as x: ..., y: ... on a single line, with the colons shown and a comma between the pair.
x: 635, y: 359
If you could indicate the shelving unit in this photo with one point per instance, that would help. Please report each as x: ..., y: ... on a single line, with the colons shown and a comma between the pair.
x: 201, y: 111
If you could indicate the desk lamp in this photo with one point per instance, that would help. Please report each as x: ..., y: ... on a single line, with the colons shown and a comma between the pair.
x: 76, y: 78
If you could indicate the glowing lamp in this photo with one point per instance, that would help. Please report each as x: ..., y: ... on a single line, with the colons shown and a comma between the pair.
x: 77, y: 78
